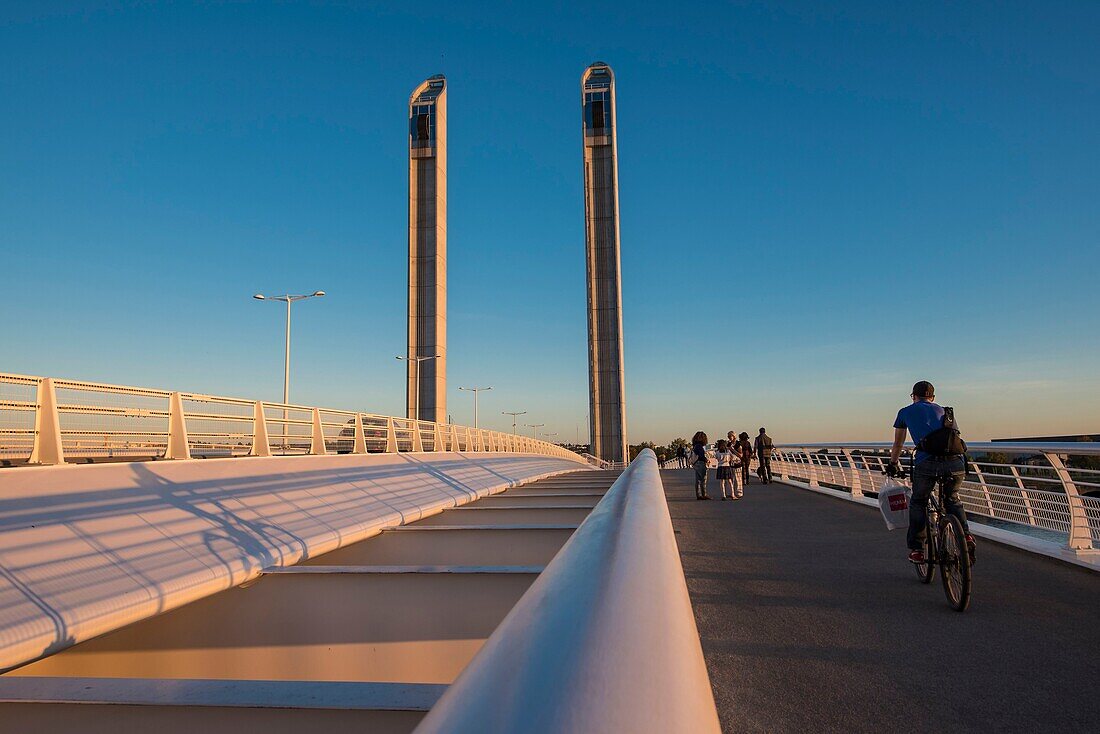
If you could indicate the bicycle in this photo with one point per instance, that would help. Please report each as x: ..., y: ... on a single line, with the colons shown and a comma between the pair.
x: 945, y: 546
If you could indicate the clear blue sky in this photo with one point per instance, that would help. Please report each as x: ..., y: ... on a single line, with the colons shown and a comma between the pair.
x: 819, y: 206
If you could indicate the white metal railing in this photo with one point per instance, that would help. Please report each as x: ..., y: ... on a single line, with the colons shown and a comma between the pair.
x: 47, y: 420
x: 603, y: 641
x: 603, y: 463
x: 1050, y: 486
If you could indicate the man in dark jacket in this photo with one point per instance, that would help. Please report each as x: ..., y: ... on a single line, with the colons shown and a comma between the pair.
x: 763, y: 446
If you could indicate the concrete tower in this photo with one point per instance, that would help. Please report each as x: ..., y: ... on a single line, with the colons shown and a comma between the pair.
x: 428, y: 251
x: 607, y: 400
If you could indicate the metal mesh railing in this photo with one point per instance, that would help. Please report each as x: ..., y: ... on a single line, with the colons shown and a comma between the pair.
x: 51, y: 421
x: 17, y: 412
x: 1050, y: 487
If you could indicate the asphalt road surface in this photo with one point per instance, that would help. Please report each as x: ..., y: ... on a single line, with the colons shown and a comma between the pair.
x: 812, y: 620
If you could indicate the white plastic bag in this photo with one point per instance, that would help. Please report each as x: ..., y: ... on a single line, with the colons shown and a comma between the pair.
x: 893, y: 500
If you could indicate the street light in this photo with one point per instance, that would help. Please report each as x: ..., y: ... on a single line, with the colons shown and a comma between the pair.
x: 416, y: 378
x: 475, y: 391
x: 505, y: 412
x: 534, y: 429
x: 548, y: 435
x: 287, y: 299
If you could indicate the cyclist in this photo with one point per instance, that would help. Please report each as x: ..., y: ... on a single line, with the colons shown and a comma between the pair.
x: 921, y: 418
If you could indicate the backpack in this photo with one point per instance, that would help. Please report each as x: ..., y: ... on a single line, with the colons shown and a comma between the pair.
x: 946, y: 440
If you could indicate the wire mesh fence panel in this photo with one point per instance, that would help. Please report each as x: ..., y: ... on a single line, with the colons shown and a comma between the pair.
x: 403, y: 430
x: 111, y: 421
x: 375, y: 432
x: 1092, y: 513
x: 218, y: 427
x: 339, y: 430
x: 18, y: 396
x: 427, y: 435
x: 289, y: 428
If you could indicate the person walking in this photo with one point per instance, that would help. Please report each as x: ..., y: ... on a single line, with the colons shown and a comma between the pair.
x: 682, y: 456
x: 744, y: 450
x: 763, y: 446
x: 699, y: 463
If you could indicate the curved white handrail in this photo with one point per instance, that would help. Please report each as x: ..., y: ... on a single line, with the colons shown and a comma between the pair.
x: 604, y: 640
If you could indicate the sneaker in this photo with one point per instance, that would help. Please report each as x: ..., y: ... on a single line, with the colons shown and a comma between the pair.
x: 916, y: 556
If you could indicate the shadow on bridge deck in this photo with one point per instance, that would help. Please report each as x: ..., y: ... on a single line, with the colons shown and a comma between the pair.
x: 812, y: 620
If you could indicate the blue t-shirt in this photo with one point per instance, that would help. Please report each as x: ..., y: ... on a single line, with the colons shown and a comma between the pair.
x: 921, y: 418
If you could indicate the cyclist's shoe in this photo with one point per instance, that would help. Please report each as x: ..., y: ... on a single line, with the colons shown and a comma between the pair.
x: 916, y: 556
x: 971, y: 548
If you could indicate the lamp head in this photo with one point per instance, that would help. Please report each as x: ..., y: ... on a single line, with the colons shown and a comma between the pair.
x: 318, y: 293
x: 259, y: 296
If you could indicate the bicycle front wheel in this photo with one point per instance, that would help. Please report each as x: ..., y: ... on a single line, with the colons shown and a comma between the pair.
x: 956, y: 563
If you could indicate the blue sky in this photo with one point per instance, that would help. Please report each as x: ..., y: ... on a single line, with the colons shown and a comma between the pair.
x: 819, y: 206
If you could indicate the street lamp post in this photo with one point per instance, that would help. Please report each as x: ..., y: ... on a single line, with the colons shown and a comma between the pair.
x: 548, y: 436
x: 416, y: 379
x: 287, y: 299
x: 534, y: 429
x: 475, y: 391
x: 505, y: 412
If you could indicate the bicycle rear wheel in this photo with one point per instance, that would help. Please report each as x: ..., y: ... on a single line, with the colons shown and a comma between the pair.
x: 927, y: 571
x: 955, y: 562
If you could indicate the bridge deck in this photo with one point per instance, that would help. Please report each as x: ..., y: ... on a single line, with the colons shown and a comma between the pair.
x: 812, y: 620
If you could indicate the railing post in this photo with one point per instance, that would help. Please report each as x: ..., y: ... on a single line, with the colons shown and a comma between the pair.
x: 391, y: 437
x: 47, y: 448
x: 360, y: 436
x: 439, y: 439
x: 855, y: 481
x: 492, y: 442
x: 783, y: 471
x: 317, y: 443
x: 178, y: 447
x: 1080, y: 535
x: 418, y: 441
x: 812, y: 469
x: 455, y: 446
x: 1024, y: 494
x: 985, y: 488
x: 260, y: 444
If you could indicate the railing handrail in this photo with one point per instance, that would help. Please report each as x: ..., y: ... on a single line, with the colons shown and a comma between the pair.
x: 1083, y: 448
x: 606, y: 634
x: 155, y: 423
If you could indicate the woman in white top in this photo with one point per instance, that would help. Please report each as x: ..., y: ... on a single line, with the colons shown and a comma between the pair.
x: 726, y: 461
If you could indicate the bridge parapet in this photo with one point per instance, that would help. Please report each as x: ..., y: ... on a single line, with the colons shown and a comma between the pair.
x: 1044, y: 490
x: 604, y: 640
x: 47, y: 420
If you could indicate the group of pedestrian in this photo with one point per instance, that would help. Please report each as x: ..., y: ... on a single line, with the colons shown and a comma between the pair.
x: 729, y: 454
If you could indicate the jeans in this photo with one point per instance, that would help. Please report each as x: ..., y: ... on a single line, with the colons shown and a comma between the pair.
x: 951, y: 470
x: 765, y: 466
x: 700, y: 479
